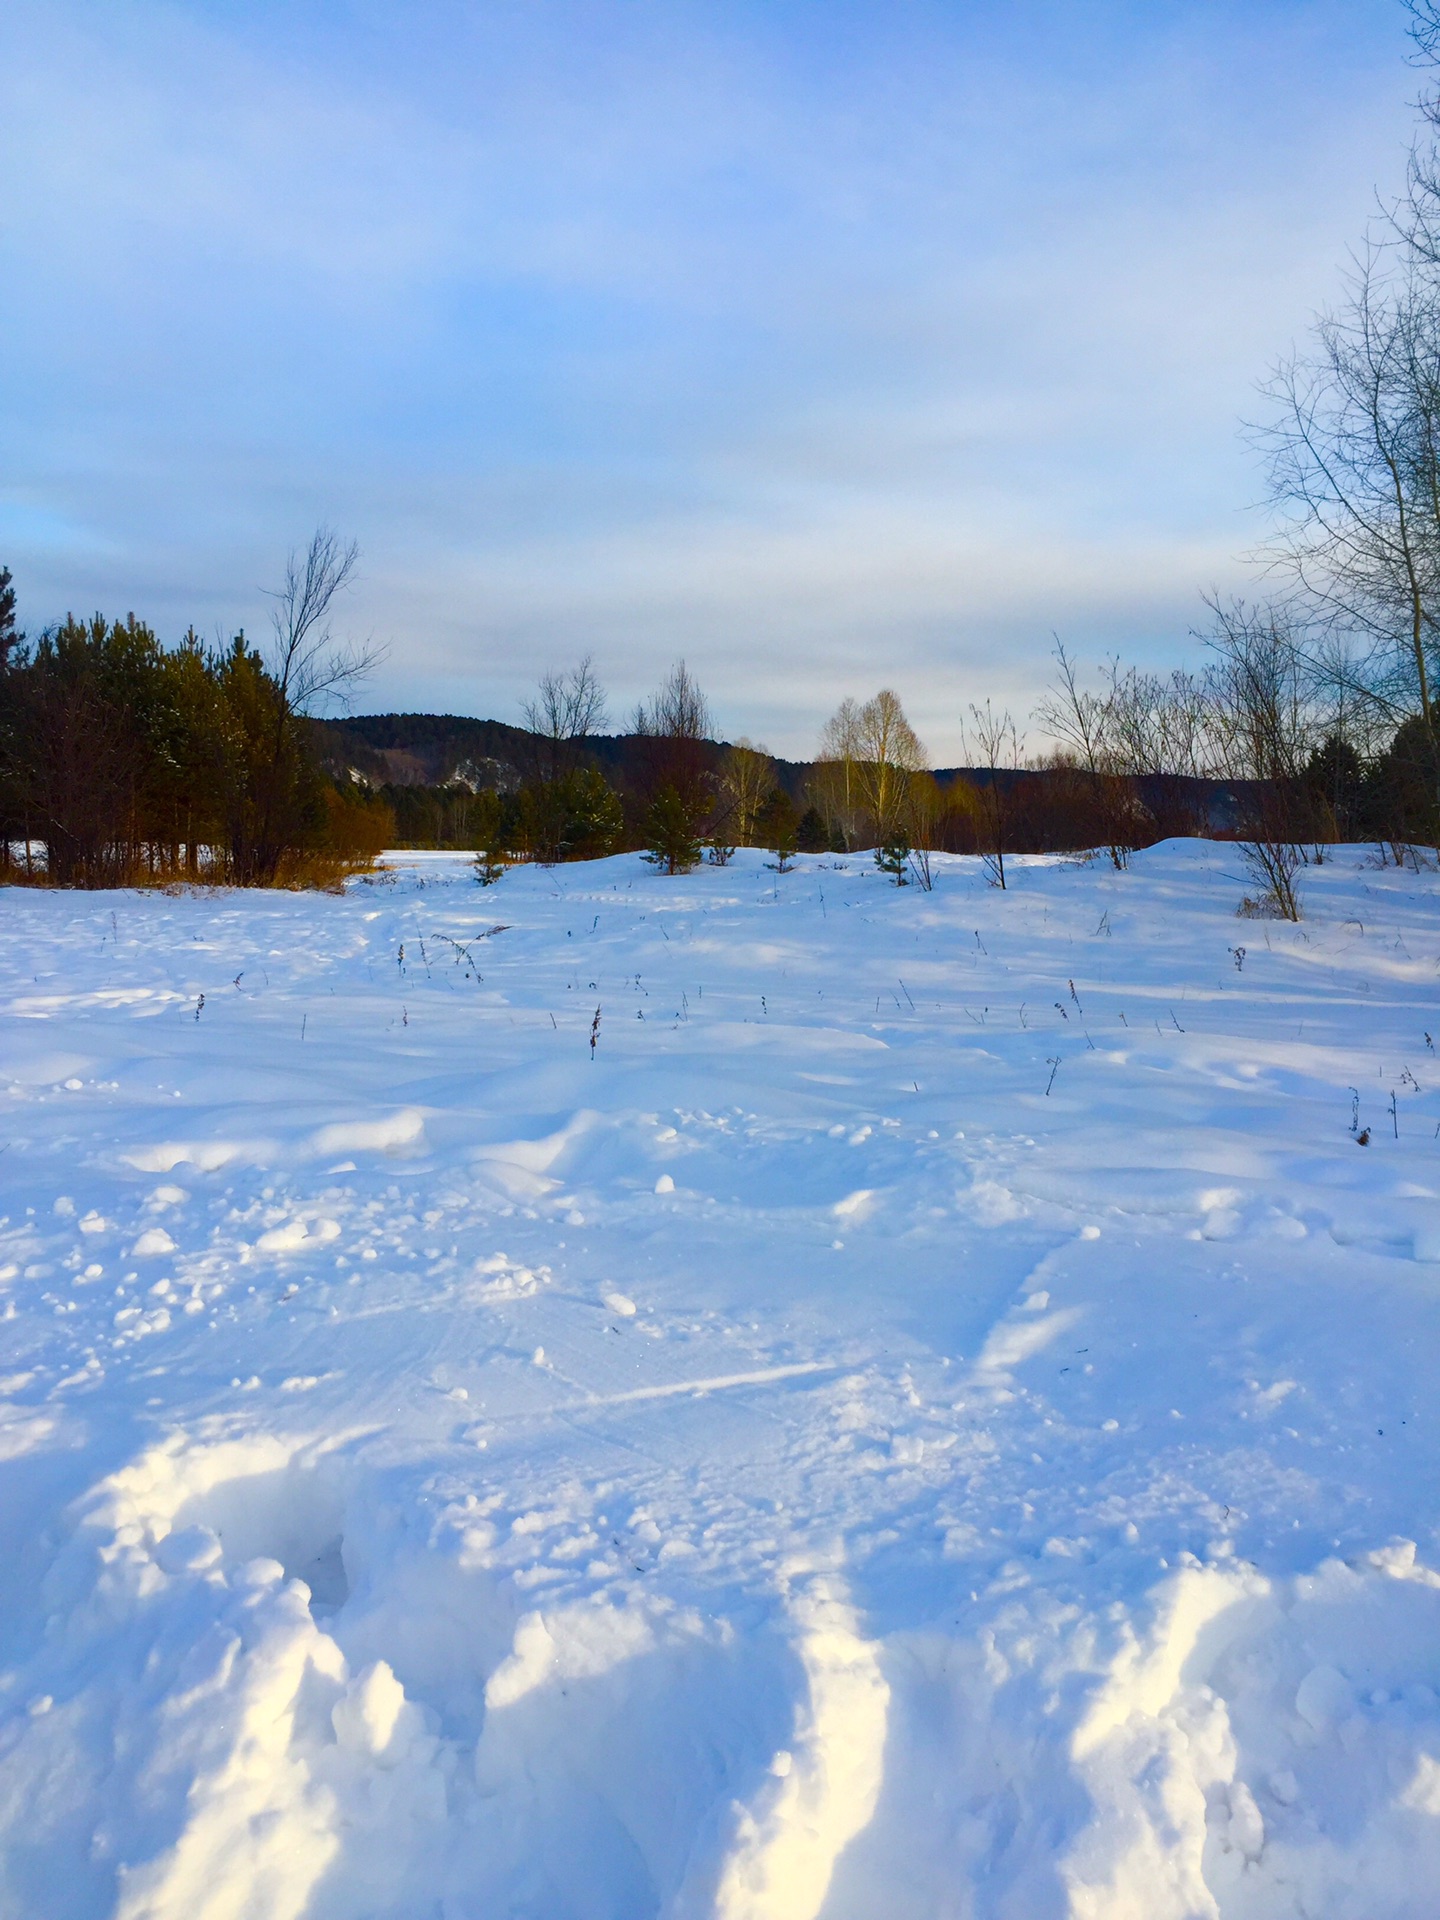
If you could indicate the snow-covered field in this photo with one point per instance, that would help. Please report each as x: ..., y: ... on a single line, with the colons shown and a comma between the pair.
x: 937, y: 1417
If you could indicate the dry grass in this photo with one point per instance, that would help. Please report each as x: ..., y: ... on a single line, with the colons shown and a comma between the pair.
x: 318, y: 871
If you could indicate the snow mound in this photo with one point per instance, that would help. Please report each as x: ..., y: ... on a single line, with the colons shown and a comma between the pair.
x: 1267, y: 1749
x: 392, y: 1134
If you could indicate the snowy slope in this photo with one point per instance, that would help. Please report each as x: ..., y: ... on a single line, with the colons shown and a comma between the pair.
x: 789, y: 1464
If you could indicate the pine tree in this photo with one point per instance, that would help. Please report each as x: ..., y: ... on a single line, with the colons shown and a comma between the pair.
x: 9, y: 637
x: 777, y: 826
x: 812, y: 835
x: 670, y: 837
x: 594, y: 818
x: 894, y: 858
x: 11, y: 818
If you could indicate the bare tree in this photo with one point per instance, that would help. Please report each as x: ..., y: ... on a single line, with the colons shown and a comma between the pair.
x: 306, y: 662
x: 834, y: 786
x: 567, y: 708
x: 1158, y: 726
x: 747, y: 779
x: 887, y: 753
x: 839, y: 736
x: 673, y: 729
x: 678, y: 710
x: 1263, y: 731
x: 867, y: 756
x: 1354, y: 453
x: 1416, y: 220
x: 1080, y: 720
x: 923, y: 820
x: 307, y: 666
x: 1356, y: 456
x: 1087, y: 726
x: 1000, y: 747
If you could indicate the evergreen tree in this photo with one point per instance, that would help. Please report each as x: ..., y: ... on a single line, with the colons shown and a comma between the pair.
x: 777, y: 826
x: 812, y: 835
x: 1403, y: 784
x: 11, y: 825
x: 1335, y: 778
x: 81, y: 752
x: 669, y: 833
x: 894, y: 858
x: 575, y: 817
x: 271, y: 786
x: 10, y: 638
x: 594, y: 822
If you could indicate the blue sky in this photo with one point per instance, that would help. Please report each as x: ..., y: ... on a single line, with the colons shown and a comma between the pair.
x: 828, y: 345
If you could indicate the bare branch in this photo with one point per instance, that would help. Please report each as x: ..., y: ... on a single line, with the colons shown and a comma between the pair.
x: 678, y: 711
x: 307, y: 665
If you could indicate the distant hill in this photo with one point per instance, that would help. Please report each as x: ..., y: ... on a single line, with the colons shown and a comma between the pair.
x: 423, y: 749
x: 438, y: 749
x: 445, y: 749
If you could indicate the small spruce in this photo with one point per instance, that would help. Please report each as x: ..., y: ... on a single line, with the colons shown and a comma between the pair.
x: 671, y: 841
x: 893, y: 857
x: 778, y: 827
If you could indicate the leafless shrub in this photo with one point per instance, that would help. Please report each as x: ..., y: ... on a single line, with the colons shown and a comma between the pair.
x: 1262, y: 729
x: 924, y: 826
x: 999, y: 747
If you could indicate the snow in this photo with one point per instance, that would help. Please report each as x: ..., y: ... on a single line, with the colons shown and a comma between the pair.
x: 934, y: 1417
